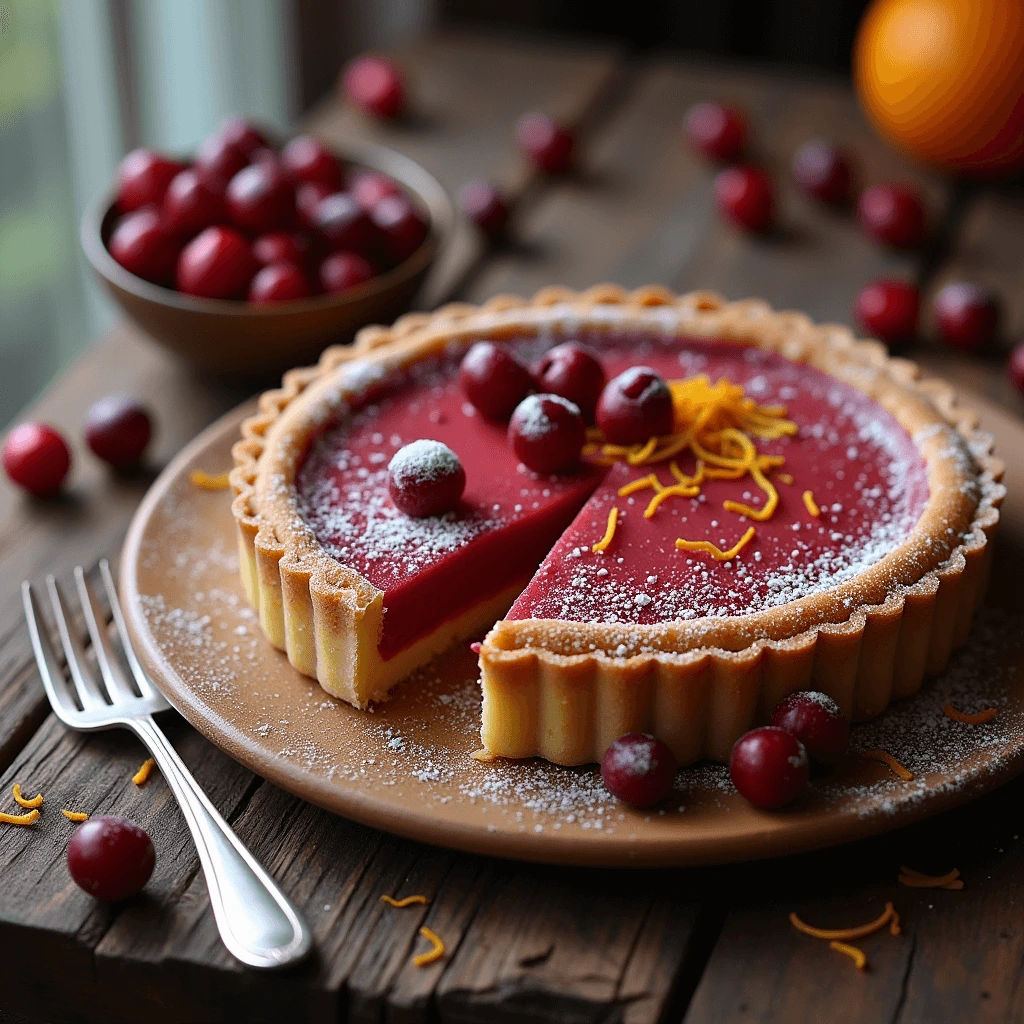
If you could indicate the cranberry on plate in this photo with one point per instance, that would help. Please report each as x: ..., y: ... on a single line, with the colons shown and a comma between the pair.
x: 260, y: 198
x: 966, y: 315
x: 117, y: 430
x: 400, y: 225
x: 142, y: 245
x: 1015, y: 368
x: 308, y: 159
x: 718, y: 131
x: 345, y: 224
x: 769, y: 767
x: 892, y: 214
x: 888, y: 309
x: 425, y: 478
x: 746, y: 196
x: 635, y: 406
x: 308, y: 197
x: 494, y: 379
x: 817, y: 721
x: 573, y: 371
x: 638, y: 769
x: 483, y: 204
x: 218, y: 160
x: 376, y: 85
x: 142, y: 179
x: 370, y: 187
x: 36, y: 458
x: 244, y: 136
x: 279, y: 282
x: 283, y: 247
x: 190, y: 205
x: 344, y: 270
x: 547, y: 433
x: 822, y: 169
x: 110, y: 858
x: 216, y: 264
x: 547, y: 143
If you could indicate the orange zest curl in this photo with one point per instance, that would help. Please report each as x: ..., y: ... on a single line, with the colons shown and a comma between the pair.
x: 142, y: 775
x: 19, y: 819
x: 21, y: 801
x: 980, y: 718
x: 848, y: 934
x: 811, y: 505
x: 855, y: 954
x: 406, y: 901
x: 209, y: 481
x: 916, y: 880
x: 640, y: 484
x: 74, y: 815
x: 715, y: 552
x: 884, y: 757
x: 609, y: 533
x: 432, y: 955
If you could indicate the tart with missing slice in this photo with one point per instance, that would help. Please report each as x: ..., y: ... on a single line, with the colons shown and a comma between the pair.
x: 811, y: 514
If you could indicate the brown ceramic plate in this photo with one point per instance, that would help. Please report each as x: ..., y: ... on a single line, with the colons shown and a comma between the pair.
x: 405, y: 766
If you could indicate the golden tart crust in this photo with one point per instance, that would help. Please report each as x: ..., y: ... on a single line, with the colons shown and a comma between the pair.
x: 564, y: 690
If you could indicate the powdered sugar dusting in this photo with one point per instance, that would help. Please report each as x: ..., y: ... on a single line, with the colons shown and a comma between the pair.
x: 422, y: 461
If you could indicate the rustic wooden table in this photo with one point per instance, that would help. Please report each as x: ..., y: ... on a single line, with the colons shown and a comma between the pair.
x: 524, y: 942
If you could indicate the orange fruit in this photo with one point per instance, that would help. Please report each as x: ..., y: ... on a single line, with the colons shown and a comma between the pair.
x: 944, y: 80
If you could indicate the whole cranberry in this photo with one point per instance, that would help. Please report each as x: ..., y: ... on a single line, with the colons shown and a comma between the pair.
x: 634, y: 407
x: 36, y: 458
x: 218, y: 160
x: 888, y: 309
x: 308, y: 159
x: 769, y: 767
x: 822, y: 169
x: 483, y: 204
x: 400, y: 225
x: 425, y: 479
x: 1015, y: 368
x: 110, y: 858
x: 216, y: 264
x: 376, y: 85
x: 370, y: 187
x: 573, y: 371
x: 892, y: 214
x: 142, y: 245
x: 244, y: 136
x: 546, y: 433
x: 260, y: 198
x: 547, y: 143
x: 817, y: 721
x: 966, y: 315
x: 345, y: 224
x: 746, y: 196
x: 494, y: 379
x: 283, y: 247
x: 279, y: 282
x: 142, y: 179
x: 718, y: 131
x: 190, y: 205
x: 308, y: 197
x: 344, y: 270
x: 117, y: 430
x: 638, y: 769
x: 266, y: 155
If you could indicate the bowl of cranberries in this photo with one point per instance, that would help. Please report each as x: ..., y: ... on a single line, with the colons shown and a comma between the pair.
x: 248, y: 257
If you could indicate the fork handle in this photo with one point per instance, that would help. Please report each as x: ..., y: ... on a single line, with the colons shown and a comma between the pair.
x: 258, y: 923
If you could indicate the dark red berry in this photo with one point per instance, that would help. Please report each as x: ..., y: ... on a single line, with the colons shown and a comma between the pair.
x: 36, y: 458
x: 823, y: 171
x: 142, y: 245
x: 110, y: 858
x: 426, y: 479
x: 376, y: 85
x: 769, y: 767
x: 402, y: 228
x: 308, y: 159
x: 494, y: 379
x: 190, y: 205
x: 308, y: 197
x: 1015, y: 368
x: 345, y: 224
x: 547, y: 143
x: 142, y: 179
x: 888, y: 309
x: 483, y: 204
x: 718, y: 131
x: 344, y: 270
x: 283, y: 247
x: 260, y: 198
x: 966, y: 315
x: 218, y: 160
x: 892, y: 214
x: 117, y: 429
x: 244, y: 136
x: 279, y: 282
x: 547, y: 432
x: 638, y: 769
x: 370, y: 187
x: 817, y: 721
x: 574, y: 372
x: 746, y: 196
x: 634, y: 407
x: 216, y: 264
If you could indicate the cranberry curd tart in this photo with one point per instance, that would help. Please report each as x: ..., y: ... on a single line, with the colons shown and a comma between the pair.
x: 668, y: 513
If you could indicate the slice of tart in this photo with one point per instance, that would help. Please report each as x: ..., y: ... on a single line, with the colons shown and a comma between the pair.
x: 815, y: 516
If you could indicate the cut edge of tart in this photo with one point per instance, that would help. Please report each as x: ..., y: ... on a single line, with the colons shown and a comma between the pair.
x: 565, y: 690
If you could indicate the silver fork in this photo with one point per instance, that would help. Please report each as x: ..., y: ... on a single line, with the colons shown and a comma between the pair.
x: 258, y: 923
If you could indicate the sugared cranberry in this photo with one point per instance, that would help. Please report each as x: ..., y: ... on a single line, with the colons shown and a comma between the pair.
x: 260, y: 198
x: 547, y: 143
x: 547, y: 433
x: 574, y: 372
x: 36, y: 458
x: 344, y: 270
x: 638, y: 769
x: 888, y: 309
x: 190, y: 205
x: 823, y: 171
x: 401, y: 226
x: 308, y: 197
x: 142, y: 179
x: 216, y: 264
x: 718, y: 131
x: 370, y: 187
x: 117, y: 429
x: 244, y: 136
x: 283, y: 247
x: 483, y: 204
x: 817, y: 721
x: 110, y: 858
x: 494, y: 379
x: 344, y: 223
x: 376, y: 85
x: 142, y: 245
x: 308, y: 159
x: 425, y: 479
x: 893, y: 214
x: 635, y: 406
x: 1015, y: 368
x: 218, y: 160
x: 966, y: 315
x: 279, y: 282
x: 769, y: 766
x: 746, y: 196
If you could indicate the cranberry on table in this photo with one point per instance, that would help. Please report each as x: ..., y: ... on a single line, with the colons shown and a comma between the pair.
x: 494, y: 379
x: 892, y: 214
x: 634, y: 407
x: 190, y: 204
x: 425, y: 478
x: 966, y: 315
x: 376, y: 85
x: 283, y: 247
x: 888, y: 309
x: 308, y: 159
x: 547, y: 433
x: 718, y: 131
x: 260, y: 198
x: 401, y: 227
x: 746, y: 196
x: 36, y: 458
x: 142, y: 179
x: 370, y: 187
x: 308, y: 197
x: 483, y: 204
x: 279, y: 282
x: 344, y: 223
x: 638, y: 769
x: 574, y: 372
x: 822, y: 169
x: 118, y: 429
x: 218, y: 160
x: 243, y: 135
x: 817, y: 721
x: 1015, y: 368
x: 142, y: 245
x: 344, y: 270
x: 547, y: 143
x: 769, y: 767
x: 110, y: 858
x: 216, y: 264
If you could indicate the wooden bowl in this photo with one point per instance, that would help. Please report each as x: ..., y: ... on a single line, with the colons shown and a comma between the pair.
x: 240, y: 339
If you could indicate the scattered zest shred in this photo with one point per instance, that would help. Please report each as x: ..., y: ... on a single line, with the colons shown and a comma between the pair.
x: 716, y: 553
x: 210, y: 481
x: 641, y: 483
x: 21, y: 801
x: 980, y: 718
x: 142, y: 775
x: 884, y: 757
x: 19, y: 819
x: 784, y: 478
x: 483, y: 754
x: 848, y: 934
x: 609, y: 533
x: 811, y: 505
x: 916, y: 880
x: 894, y: 924
x: 855, y: 954
x: 74, y: 815
x: 406, y: 901
x: 432, y: 955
